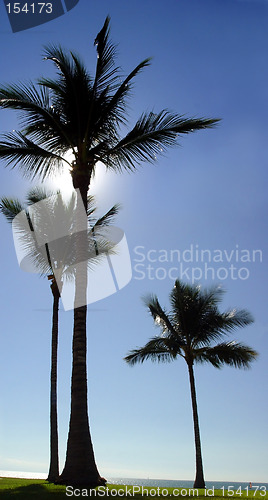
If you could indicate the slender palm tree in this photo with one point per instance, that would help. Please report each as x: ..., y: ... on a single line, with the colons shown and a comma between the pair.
x: 85, y: 115
x: 188, y: 331
x: 42, y: 260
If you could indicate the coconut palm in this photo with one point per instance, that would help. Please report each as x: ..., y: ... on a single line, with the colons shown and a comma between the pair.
x: 85, y: 115
x: 189, y: 330
x: 41, y: 258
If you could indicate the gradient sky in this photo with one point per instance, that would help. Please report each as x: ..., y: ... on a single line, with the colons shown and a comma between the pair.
x: 209, y: 59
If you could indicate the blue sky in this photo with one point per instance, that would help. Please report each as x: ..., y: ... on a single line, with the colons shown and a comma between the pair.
x: 209, y: 59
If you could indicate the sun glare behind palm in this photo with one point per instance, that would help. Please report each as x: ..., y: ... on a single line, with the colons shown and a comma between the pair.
x: 63, y: 181
x: 99, y: 179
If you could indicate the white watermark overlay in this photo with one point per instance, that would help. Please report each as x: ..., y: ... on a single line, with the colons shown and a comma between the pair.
x: 194, y: 263
x: 51, y: 239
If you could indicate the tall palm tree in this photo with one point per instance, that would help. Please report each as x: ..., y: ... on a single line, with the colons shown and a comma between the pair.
x: 42, y: 260
x: 188, y: 330
x: 84, y: 114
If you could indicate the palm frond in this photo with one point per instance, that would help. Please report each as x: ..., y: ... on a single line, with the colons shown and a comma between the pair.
x: 24, y: 97
x: 213, y: 325
x: 237, y: 319
x: 38, y: 117
x: 112, y: 110
x: 33, y: 256
x: 150, y: 137
x: 64, y: 64
x: 106, y: 72
x: 37, y: 194
x: 196, y: 314
x: 33, y: 160
x: 10, y: 207
x: 184, y: 301
x: 186, y: 295
x: 156, y: 349
x: 71, y: 93
x: 160, y: 316
x: 108, y: 218
x: 91, y: 207
x: 227, y: 353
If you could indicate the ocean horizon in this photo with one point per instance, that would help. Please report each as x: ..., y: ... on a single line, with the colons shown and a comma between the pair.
x: 162, y: 483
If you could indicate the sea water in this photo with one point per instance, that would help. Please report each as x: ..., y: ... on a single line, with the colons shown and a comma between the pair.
x: 161, y: 483
x: 174, y: 483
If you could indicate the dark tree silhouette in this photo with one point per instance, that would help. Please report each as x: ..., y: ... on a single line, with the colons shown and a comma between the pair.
x: 188, y: 331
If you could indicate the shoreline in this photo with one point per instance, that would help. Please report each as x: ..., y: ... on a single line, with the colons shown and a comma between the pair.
x: 132, y: 481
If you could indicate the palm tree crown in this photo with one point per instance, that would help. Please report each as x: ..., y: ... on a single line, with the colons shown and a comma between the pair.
x: 192, y: 325
x: 189, y: 330
x: 82, y: 113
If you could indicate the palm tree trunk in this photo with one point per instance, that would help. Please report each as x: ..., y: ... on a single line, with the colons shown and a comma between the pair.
x: 54, y: 452
x: 199, y: 478
x: 80, y: 467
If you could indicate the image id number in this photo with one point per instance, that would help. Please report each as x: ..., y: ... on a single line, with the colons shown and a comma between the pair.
x: 32, y: 8
x: 249, y: 491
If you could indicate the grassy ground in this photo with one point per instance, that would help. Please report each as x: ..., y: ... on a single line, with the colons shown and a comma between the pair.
x: 27, y: 489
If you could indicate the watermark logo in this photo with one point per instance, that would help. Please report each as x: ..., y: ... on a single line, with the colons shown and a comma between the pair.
x: 88, y: 263
x: 24, y: 15
x: 195, y: 263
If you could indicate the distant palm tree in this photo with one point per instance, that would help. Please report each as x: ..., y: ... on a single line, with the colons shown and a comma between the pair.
x: 85, y: 115
x: 188, y: 330
x: 41, y: 258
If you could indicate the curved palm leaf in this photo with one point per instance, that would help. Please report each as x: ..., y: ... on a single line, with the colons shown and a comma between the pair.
x: 71, y: 94
x: 229, y: 353
x: 161, y: 318
x: 214, y: 325
x: 150, y: 137
x: 32, y: 159
x: 107, y: 218
x: 115, y: 108
x: 38, y: 116
x: 37, y: 194
x: 157, y: 349
x: 106, y: 72
x: 10, y: 208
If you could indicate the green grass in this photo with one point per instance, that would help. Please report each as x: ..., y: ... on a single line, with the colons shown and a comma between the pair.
x: 27, y: 489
